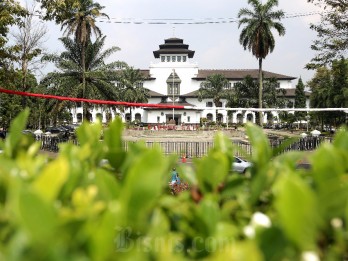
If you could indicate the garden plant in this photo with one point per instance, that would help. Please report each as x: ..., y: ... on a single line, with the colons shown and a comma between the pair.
x: 76, y: 207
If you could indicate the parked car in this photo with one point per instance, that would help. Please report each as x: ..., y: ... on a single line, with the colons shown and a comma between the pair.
x: 241, y: 166
x: 58, y: 131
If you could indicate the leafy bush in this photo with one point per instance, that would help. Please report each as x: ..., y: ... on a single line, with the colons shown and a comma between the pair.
x: 73, y: 207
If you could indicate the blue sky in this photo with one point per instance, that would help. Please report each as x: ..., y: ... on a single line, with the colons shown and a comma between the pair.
x: 216, y: 45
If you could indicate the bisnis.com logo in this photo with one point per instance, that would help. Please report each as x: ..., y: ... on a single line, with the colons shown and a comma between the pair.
x: 128, y: 240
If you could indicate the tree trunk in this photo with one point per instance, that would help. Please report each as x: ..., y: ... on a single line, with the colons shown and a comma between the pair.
x: 216, y: 116
x: 24, y: 82
x: 130, y: 112
x: 83, y: 64
x: 260, y: 92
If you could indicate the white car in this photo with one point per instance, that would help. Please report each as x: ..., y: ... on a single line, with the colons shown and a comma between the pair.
x: 239, y: 165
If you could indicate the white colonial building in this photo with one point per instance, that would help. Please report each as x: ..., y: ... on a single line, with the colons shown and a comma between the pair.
x: 173, y: 79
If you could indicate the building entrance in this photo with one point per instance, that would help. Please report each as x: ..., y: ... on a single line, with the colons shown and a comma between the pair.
x: 177, y: 118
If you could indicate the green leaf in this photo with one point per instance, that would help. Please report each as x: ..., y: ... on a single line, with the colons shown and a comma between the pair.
x: 223, y: 144
x: 212, y: 171
x: 261, y: 150
x: 89, y: 138
x: 330, y: 179
x: 142, y: 187
x: 113, y: 142
x: 53, y: 177
x: 108, y: 186
x: 297, y: 209
x: 273, y: 244
x: 36, y: 216
x: 209, y: 214
x: 15, y: 133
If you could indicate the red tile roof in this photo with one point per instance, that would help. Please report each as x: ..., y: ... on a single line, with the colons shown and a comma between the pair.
x: 233, y: 74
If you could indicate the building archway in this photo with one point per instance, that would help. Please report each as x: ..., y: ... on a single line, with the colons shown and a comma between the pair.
x: 138, y: 117
x: 99, y: 116
x: 210, y: 117
x: 220, y: 118
x: 79, y: 117
x: 250, y: 117
x: 128, y: 117
x: 240, y: 118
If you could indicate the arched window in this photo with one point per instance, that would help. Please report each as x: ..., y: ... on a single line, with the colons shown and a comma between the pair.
x: 239, y: 118
x: 250, y: 117
x: 138, y: 117
x: 210, y: 117
x: 79, y: 117
x: 220, y: 118
x: 99, y: 116
x: 128, y: 117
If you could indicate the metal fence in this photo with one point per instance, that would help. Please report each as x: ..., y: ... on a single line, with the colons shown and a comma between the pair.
x: 196, y: 149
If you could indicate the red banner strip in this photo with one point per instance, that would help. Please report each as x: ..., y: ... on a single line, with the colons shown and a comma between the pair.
x: 61, y: 98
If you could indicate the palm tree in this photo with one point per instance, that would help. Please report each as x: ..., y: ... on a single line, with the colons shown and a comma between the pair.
x: 215, y: 88
x: 257, y: 35
x: 99, y: 76
x: 130, y: 86
x: 80, y: 21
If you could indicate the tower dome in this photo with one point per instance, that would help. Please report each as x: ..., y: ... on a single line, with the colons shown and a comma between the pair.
x: 173, y: 46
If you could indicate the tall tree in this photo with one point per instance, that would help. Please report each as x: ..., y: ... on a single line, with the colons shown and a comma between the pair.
x: 100, y: 77
x: 256, y: 36
x: 78, y: 18
x: 332, y: 33
x: 339, y: 90
x: 29, y: 39
x: 131, y: 88
x: 300, y: 100
x: 10, y: 105
x: 11, y: 13
x: 214, y: 87
x: 320, y: 85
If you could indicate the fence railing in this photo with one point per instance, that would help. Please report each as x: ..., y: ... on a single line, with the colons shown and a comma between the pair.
x: 196, y: 149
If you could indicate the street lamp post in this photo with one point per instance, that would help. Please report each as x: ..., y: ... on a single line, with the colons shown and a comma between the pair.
x: 173, y: 92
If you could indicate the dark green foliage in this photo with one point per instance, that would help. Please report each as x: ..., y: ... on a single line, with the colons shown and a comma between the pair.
x: 214, y: 87
x: 332, y: 38
x: 245, y: 94
x: 10, y: 14
x: 300, y: 100
x: 130, y: 86
x: 330, y: 90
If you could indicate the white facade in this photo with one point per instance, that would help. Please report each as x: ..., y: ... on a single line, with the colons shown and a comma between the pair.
x: 173, y: 67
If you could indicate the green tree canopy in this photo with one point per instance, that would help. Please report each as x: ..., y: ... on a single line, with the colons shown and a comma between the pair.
x: 332, y: 33
x: 300, y: 100
x: 245, y: 94
x: 11, y: 13
x: 214, y: 87
x: 130, y: 86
